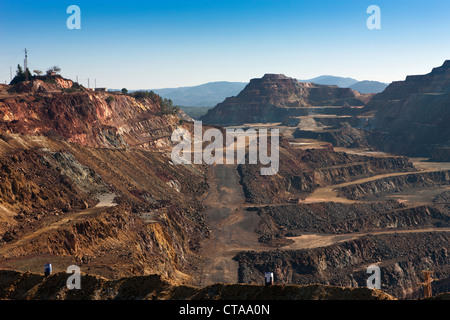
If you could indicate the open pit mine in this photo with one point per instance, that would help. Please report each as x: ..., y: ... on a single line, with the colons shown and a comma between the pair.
x: 87, y: 180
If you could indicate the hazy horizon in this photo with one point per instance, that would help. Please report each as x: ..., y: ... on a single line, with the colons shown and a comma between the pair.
x: 170, y: 44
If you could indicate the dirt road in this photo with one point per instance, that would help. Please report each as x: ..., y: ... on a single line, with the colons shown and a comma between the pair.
x: 105, y: 200
x: 315, y: 240
x: 232, y: 227
x: 330, y: 194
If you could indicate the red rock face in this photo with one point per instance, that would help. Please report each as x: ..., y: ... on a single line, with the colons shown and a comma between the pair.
x: 95, y: 119
x: 275, y: 97
x: 50, y: 189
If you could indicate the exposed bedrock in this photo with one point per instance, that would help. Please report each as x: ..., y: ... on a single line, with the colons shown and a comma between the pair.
x: 279, y: 223
x: 332, y: 217
x: 401, y: 258
x: 412, y: 115
x: 302, y: 171
x: 342, y: 136
x: 27, y: 286
x: 397, y: 183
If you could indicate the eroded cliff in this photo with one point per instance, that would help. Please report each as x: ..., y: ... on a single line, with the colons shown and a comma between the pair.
x: 412, y: 115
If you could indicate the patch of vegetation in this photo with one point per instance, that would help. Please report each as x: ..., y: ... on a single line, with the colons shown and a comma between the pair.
x: 21, y: 75
x: 166, y: 105
x: 142, y: 94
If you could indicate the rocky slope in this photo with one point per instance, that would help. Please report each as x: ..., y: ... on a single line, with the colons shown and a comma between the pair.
x: 86, y: 179
x: 338, y: 218
x: 440, y: 154
x: 49, y: 192
x: 60, y: 108
x: 376, y: 188
x: 413, y: 114
x: 342, y: 135
x: 275, y: 97
x: 401, y: 258
x: 302, y: 171
x: 29, y: 286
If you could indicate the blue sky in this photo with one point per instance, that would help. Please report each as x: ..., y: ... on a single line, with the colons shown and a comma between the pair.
x: 157, y: 44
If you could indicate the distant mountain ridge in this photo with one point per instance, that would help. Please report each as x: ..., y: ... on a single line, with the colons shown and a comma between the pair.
x: 368, y: 86
x: 329, y: 80
x: 204, y: 95
x: 365, y: 86
x: 212, y: 93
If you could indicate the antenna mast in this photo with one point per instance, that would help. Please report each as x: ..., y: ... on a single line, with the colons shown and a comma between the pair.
x: 25, y: 65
